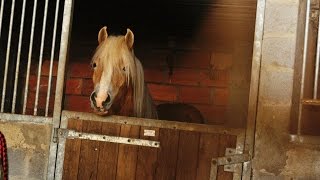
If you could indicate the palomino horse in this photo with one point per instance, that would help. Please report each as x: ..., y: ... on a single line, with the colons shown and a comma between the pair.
x: 118, y: 79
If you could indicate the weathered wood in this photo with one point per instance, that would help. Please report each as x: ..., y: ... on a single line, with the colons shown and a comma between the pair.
x: 167, y: 154
x: 108, y: 154
x: 72, y: 152
x: 89, y: 152
x: 127, y: 156
x: 225, y: 141
x: 187, y: 155
x: 147, y: 156
x: 208, y: 149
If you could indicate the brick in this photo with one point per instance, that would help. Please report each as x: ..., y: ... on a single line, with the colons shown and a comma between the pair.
x: 213, y: 114
x: 74, y: 86
x: 156, y: 75
x: 42, y: 98
x: 77, y: 103
x: 43, y: 87
x: 46, y: 68
x: 192, y: 59
x: 195, y: 95
x: 80, y: 70
x: 87, y: 87
x: 220, y: 96
x: 215, y: 78
x: 220, y: 61
x: 185, y: 77
x: 153, y: 59
x: 163, y: 92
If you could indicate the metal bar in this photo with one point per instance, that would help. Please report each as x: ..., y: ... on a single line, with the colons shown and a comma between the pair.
x: 305, y: 139
x: 40, y: 57
x: 14, y: 98
x: 64, y: 43
x: 304, y: 61
x: 7, y: 57
x: 52, y: 56
x: 233, y: 159
x: 213, y: 169
x: 1, y: 15
x: 254, y: 87
x: 316, y: 73
x: 314, y: 102
x: 25, y: 118
x: 71, y: 134
x: 29, y: 57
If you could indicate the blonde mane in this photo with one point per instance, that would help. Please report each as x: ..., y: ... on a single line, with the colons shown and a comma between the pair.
x: 113, y: 53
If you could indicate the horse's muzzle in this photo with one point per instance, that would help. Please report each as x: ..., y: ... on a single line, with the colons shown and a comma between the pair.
x: 100, y: 107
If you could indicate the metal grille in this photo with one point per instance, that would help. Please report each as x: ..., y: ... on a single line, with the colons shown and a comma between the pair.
x: 29, y: 34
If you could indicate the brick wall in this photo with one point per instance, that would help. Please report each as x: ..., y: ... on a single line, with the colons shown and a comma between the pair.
x: 200, y: 78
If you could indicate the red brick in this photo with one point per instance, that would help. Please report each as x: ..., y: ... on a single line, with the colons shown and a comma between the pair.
x: 221, y: 61
x: 80, y: 70
x: 87, y: 87
x: 213, y: 114
x: 156, y: 75
x: 185, y: 77
x: 77, y: 103
x: 163, y: 92
x: 220, y: 96
x: 216, y: 78
x: 192, y: 59
x: 43, y: 87
x: 42, y: 98
x: 46, y: 68
x: 195, y: 95
x: 74, y: 86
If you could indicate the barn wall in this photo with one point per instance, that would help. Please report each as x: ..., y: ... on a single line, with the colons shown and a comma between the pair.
x: 28, y: 149
x: 275, y: 156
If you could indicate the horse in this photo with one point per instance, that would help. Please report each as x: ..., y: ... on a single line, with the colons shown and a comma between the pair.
x: 118, y: 78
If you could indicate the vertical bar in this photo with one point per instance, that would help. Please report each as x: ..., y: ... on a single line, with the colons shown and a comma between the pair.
x: 64, y: 43
x: 7, y: 57
x: 304, y: 61
x: 52, y: 56
x: 18, y: 59
x: 1, y: 14
x: 29, y: 57
x: 316, y: 72
x: 254, y: 87
x: 40, y: 57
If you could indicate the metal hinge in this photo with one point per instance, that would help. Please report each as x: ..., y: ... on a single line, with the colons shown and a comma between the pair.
x: 232, y: 162
x: 71, y: 134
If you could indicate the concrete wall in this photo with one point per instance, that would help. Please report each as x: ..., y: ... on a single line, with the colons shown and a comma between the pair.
x: 28, y: 146
x: 275, y: 156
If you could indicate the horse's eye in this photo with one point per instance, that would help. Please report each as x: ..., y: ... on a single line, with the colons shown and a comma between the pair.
x: 124, y: 69
x: 94, y: 65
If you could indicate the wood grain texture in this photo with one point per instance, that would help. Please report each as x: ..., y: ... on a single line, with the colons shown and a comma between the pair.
x: 187, y: 155
x: 89, y: 152
x: 127, y: 157
x: 167, y: 154
x: 208, y: 149
x: 147, y: 157
x: 108, y: 155
x: 72, y: 152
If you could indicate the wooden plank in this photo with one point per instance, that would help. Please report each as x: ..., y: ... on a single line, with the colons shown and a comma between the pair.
x: 188, y: 155
x: 225, y: 141
x: 167, y: 154
x: 147, y: 156
x: 108, y: 154
x: 72, y: 152
x: 208, y: 149
x: 89, y: 152
x: 127, y: 156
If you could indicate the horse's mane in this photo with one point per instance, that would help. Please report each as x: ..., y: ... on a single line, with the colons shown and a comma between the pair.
x: 108, y: 53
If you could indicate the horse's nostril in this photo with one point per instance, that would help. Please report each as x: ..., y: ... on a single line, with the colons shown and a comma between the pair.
x: 107, y: 101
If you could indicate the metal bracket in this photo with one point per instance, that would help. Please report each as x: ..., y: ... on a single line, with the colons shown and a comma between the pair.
x: 71, y: 134
x: 55, y: 137
x: 232, y: 162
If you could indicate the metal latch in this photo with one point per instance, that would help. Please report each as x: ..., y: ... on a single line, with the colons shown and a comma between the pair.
x: 232, y: 162
x: 71, y: 134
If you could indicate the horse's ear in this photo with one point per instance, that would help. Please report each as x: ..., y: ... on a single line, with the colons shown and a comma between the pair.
x: 102, y: 34
x: 129, y: 37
